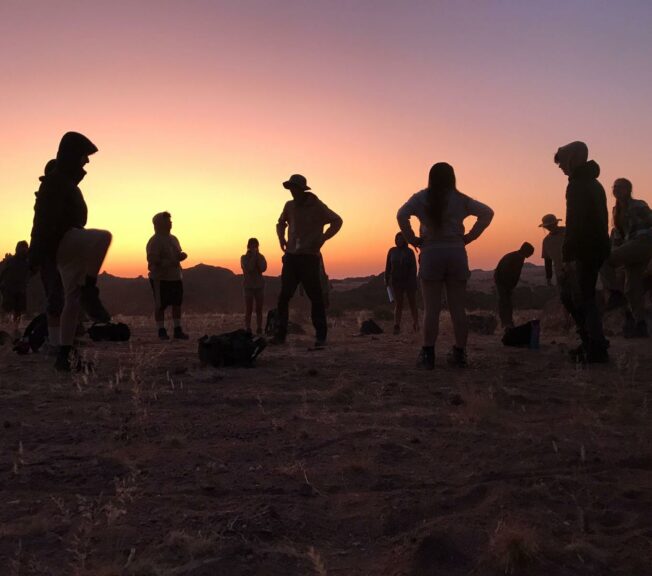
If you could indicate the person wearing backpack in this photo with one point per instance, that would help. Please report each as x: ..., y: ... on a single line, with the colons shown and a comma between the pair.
x: 304, y: 217
x: 13, y: 284
x: 164, y: 257
x: 506, y: 277
x: 443, y: 263
x: 586, y: 247
x: 59, y: 236
x: 253, y: 266
x: 401, y: 278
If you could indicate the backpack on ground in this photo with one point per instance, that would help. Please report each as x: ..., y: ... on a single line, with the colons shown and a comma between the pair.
x: 370, y: 327
x: 523, y: 336
x: 238, y: 348
x: 109, y: 332
x: 34, y: 335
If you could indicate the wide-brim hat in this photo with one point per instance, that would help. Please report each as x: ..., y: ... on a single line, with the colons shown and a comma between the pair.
x: 549, y: 220
x: 296, y: 181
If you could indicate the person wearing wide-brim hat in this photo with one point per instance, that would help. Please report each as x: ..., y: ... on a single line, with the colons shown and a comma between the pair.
x: 551, y: 249
x: 305, y: 217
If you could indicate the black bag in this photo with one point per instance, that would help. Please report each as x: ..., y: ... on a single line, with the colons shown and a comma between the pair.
x: 370, y: 327
x: 523, y: 336
x: 110, y: 332
x: 237, y: 348
x: 35, y: 335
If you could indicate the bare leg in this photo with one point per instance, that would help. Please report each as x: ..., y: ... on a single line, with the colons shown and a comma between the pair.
x: 398, y: 306
x: 260, y: 299
x: 432, y: 290
x: 456, y: 296
x: 412, y: 300
x: 249, y: 305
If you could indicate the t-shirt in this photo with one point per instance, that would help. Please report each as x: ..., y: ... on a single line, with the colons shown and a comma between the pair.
x: 163, y: 253
x: 253, y: 265
x: 305, y: 221
x: 508, y: 271
x: 552, y: 248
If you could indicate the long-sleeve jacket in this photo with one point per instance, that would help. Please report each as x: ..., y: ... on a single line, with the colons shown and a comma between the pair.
x: 587, y: 218
x: 631, y: 222
x: 253, y: 266
x: 451, y: 231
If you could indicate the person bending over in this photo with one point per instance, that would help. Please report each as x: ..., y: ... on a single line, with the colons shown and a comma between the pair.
x: 506, y: 277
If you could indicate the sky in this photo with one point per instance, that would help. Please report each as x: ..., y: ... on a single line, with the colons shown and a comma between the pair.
x: 204, y: 107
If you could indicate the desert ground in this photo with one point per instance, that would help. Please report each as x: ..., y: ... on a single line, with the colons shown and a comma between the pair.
x: 343, y: 461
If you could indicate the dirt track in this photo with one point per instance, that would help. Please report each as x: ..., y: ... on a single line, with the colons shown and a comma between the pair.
x: 344, y: 461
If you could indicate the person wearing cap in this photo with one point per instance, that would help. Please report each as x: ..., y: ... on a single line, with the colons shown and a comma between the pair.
x: 253, y: 266
x: 631, y: 251
x: 59, y: 235
x: 551, y: 249
x: 586, y: 247
x: 164, y: 257
x: 304, y: 217
x: 506, y: 277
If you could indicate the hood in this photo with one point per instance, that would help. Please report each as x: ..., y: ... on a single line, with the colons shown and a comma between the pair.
x: 571, y: 156
x: 49, y: 168
x: 72, y: 148
x: 588, y: 171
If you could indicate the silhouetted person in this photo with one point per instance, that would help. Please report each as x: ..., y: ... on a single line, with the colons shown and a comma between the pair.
x: 164, y: 257
x: 586, y: 247
x: 58, y: 234
x: 401, y: 277
x: 632, y: 250
x: 506, y: 277
x: 443, y: 262
x: 551, y: 249
x: 305, y: 217
x: 13, y: 284
x: 253, y: 266
x: 46, y: 264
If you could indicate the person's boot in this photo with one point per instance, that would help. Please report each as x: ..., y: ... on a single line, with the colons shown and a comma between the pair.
x: 68, y: 359
x: 426, y: 359
x: 163, y: 334
x: 457, y: 357
x: 91, y: 303
x: 179, y: 334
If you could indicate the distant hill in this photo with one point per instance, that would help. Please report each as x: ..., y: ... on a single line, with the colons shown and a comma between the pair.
x: 214, y: 289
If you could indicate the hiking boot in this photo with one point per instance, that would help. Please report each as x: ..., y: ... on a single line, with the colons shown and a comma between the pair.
x: 92, y: 305
x: 426, y: 359
x: 397, y: 329
x: 320, y: 343
x: 179, y: 334
x: 456, y: 357
x: 637, y: 330
x: 163, y: 334
x: 590, y: 354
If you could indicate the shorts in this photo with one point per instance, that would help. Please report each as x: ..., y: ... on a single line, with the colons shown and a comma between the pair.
x: 15, y: 302
x: 167, y: 293
x: 441, y: 262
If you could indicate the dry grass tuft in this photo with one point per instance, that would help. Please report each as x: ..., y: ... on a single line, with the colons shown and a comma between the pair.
x: 514, y: 546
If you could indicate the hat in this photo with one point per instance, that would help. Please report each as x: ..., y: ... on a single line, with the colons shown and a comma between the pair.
x: 549, y: 220
x: 296, y: 181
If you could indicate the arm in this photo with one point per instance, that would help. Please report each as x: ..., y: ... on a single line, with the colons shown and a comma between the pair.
x: 281, y: 225
x: 484, y: 216
x: 573, y: 212
x: 262, y: 263
x: 403, y: 216
x: 388, y: 267
x: 334, y: 221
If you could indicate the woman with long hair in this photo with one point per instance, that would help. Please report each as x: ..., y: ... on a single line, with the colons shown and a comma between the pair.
x: 401, y: 278
x: 443, y: 263
x: 631, y: 239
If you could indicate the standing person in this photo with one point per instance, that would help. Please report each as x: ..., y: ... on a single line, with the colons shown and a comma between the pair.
x: 443, y: 262
x: 585, y: 248
x: 164, y: 257
x: 58, y: 235
x: 253, y: 266
x: 305, y: 217
x: 506, y: 277
x: 401, y: 277
x: 632, y: 250
x: 13, y: 284
x: 551, y: 249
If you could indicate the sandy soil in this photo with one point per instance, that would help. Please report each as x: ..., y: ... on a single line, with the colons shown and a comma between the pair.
x: 345, y: 461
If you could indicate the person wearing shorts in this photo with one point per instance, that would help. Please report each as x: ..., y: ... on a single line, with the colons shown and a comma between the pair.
x: 164, y: 257
x: 253, y: 266
x: 59, y: 236
x: 443, y: 263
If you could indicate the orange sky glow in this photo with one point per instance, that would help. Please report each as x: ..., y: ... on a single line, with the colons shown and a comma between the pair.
x: 203, y: 109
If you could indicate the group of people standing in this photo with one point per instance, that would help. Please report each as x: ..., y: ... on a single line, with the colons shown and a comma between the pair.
x: 69, y: 257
